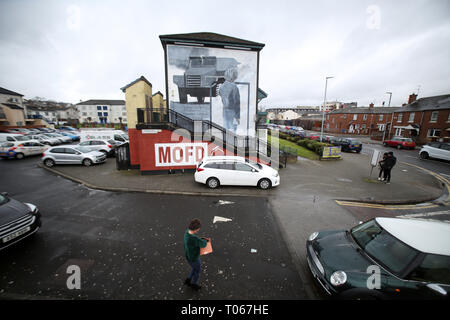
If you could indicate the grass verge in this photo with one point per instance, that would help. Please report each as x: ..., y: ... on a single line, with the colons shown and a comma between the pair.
x: 302, y: 152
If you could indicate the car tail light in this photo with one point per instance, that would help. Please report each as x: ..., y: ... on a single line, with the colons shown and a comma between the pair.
x: 200, y: 169
x: 109, y: 146
x: 43, y: 155
x: 13, y: 148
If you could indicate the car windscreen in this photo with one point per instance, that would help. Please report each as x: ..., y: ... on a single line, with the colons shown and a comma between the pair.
x: 383, y: 247
x: 23, y: 138
x: 255, y: 164
x: 406, y: 140
x: 6, y: 145
x: 355, y: 141
x: 83, y: 149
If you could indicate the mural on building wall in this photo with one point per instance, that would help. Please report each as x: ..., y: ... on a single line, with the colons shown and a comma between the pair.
x: 214, y: 84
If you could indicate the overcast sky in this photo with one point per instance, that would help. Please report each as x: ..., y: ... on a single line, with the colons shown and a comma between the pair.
x: 78, y: 50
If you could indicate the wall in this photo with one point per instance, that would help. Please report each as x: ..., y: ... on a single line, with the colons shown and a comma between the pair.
x: 135, y: 98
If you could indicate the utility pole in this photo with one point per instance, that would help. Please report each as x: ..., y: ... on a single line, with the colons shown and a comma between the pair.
x: 392, y: 117
x: 323, y: 108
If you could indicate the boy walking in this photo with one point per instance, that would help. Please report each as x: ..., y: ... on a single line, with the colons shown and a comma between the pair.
x: 192, y: 245
x: 389, y: 164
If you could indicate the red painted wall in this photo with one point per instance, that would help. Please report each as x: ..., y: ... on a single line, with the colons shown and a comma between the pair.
x: 142, y: 148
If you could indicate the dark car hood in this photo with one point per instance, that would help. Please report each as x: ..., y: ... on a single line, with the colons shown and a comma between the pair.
x: 337, y: 251
x: 12, y: 210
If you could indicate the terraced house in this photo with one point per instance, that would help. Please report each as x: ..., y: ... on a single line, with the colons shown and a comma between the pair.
x: 424, y: 120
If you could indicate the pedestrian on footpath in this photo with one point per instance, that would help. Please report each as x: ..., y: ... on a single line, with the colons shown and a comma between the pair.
x: 389, y: 164
x: 381, y: 163
x: 192, y: 245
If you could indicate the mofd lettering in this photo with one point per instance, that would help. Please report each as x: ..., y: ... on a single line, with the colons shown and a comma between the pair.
x: 179, y: 154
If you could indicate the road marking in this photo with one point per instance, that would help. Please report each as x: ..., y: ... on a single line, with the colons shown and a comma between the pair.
x: 384, y: 206
x: 425, y: 214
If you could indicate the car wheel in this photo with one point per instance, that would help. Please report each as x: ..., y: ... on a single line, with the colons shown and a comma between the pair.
x: 87, y: 162
x: 20, y: 156
x: 424, y: 155
x: 49, y: 163
x: 264, y: 184
x: 213, y: 183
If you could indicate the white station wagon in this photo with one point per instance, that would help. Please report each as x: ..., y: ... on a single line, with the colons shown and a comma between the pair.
x: 235, y: 171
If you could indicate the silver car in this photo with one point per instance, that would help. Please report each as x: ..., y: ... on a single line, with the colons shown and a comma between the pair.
x: 63, y: 139
x: 45, y: 139
x: 99, y: 145
x: 436, y: 150
x: 72, y: 155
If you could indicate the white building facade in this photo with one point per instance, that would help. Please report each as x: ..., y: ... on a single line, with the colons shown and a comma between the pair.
x: 102, y: 111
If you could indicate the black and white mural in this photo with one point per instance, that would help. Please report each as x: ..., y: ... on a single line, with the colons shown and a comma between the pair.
x: 214, y: 84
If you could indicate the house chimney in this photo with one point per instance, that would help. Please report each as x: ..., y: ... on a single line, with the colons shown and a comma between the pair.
x: 371, y: 105
x: 412, y: 98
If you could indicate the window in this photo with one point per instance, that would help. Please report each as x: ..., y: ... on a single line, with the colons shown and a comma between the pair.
x: 105, y: 114
x: 434, y: 116
x: 365, y: 117
x: 99, y: 107
x: 212, y: 165
x: 400, y: 117
x: 85, y: 143
x: 70, y: 151
x: 57, y: 150
x: 105, y: 107
x: 226, y: 166
x: 99, y: 114
x: 411, y: 117
x: 381, y: 117
x: 434, y: 133
x: 383, y: 247
x: 355, y: 117
x: 242, y: 167
x: 448, y: 119
x: 445, y: 146
x: 363, y: 126
x: 434, y: 268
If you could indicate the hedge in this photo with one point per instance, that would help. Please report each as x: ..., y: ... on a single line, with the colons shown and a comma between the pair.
x: 313, y: 145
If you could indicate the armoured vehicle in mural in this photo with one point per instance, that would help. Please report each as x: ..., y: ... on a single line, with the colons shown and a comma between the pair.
x: 202, y: 76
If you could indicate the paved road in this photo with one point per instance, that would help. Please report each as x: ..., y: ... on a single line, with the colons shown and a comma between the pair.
x: 130, y: 245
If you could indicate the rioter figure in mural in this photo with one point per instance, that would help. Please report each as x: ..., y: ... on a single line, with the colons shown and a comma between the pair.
x: 231, y: 100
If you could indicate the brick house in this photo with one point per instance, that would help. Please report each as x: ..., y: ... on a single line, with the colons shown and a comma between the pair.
x: 425, y: 120
x: 372, y: 121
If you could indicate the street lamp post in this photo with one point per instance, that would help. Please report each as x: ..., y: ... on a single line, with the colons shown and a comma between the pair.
x: 392, y: 117
x: 323, y: 108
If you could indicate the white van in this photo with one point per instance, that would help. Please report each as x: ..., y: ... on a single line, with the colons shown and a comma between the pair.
x: 117, y: 135
x: 13, y: 137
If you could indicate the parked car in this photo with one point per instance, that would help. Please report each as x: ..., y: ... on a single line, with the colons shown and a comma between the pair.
x: 12, y: 137
x: 72, y: 155
x: 70, y: 134
x: 236, y: 171
x: 400, y: 143
x: 19, y: 150
x: 411, y: 259
x: 99, y: 145
x: 63, y: 138
x: 44, y: 139
x: 67, y: 128
x: 18, y: 220
x: 437, y: 150
x: 349, y: 144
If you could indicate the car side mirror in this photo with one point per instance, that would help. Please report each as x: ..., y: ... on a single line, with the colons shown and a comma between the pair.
x: 437, y: 288
x: 254, y: 170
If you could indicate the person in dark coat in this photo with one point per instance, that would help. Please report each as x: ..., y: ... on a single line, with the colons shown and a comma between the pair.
x: 389, y: 163
x: 192, y: 245
x: 381, y: 164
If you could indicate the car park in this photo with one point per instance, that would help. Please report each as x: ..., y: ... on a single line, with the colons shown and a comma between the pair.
x: 383, y: 258
x: 18, y: 220
x: 117, y: 135
x: 400, y: 143
x: 435, y: 150
x: 72, y: 155
x: 99, y: 145
x: 19, y: 150
x: 236, y: 171
x: 349, y: 144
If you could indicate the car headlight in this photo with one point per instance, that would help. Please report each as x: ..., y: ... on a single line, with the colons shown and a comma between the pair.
x: 313, y: 236
x: 32, y: 207
x: 338, y: 278
x: 275, y: 174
